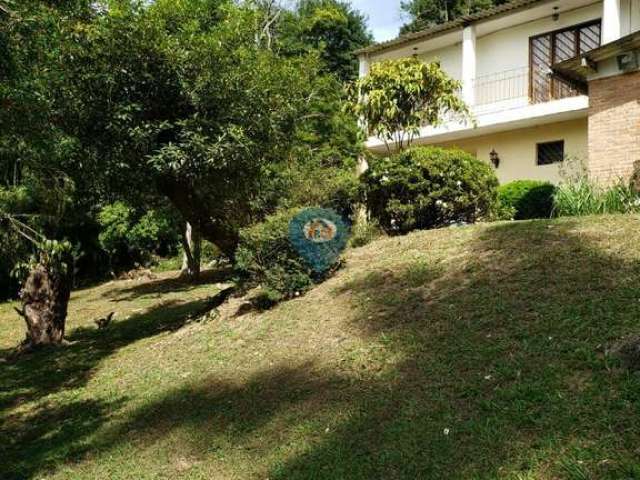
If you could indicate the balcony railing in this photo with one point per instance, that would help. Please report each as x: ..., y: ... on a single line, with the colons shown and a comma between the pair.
x: 518, y: 87
x: 501, y: 86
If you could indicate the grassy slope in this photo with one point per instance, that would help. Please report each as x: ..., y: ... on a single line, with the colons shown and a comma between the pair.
x: 495, y: 333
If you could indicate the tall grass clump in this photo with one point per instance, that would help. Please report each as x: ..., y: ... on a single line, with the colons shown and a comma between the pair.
x: 579, y: 195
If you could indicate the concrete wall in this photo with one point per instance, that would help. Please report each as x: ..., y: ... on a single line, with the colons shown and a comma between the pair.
x: 450, y: 59
x: 614, y: 126
x: 517, y: 149
x: 506, y: 49
x: 629, y: 16
x: 509, y: 49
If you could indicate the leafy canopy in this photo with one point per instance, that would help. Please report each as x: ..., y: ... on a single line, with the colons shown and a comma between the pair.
x: 427, y: 13
x: 398, y: 97
x: 331, y: 27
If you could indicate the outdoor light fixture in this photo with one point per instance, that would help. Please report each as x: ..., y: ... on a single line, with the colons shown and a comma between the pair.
x: 556, y: 15
x: 495, y: 158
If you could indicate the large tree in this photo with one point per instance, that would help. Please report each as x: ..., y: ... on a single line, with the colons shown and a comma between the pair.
x: 426, y: 13
x: 332, y: 27
x: 194, y: 100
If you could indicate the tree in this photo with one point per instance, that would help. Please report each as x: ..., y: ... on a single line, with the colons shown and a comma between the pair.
x: 47, y: 288
x: 398, y: 97
x: 194, y: 101
x: 427, y: 13
x: 332, y: 27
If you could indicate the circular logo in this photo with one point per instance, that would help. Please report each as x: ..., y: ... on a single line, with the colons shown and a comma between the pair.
x: 320, y: 230
x: 319, y: 235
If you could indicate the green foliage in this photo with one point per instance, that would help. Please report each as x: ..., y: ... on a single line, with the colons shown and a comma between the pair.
x: 314, y: 182
x: 266, y: 257
x: 427, y: 13
x: 527, y: 198
x: 332, y: 27
x: 583, y: 196
x: 398, y: 97
x: 428, y: 187
x: 363, y: 233
x: 129, y: 238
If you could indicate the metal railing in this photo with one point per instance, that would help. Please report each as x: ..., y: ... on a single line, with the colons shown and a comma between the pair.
x: 501, y: 86
x: 511, y: 85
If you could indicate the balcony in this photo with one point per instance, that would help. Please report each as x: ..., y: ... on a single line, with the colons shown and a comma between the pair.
x: 506, y: 101
x: 518, y: 87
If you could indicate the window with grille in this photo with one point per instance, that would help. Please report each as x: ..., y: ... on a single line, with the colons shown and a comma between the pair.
x: 550, y: 152
x: 554, y: 47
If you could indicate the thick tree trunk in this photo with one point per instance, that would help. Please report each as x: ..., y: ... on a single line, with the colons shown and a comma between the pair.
x: 45, y: 298
x: 191, y: 244
x: 195, y: 211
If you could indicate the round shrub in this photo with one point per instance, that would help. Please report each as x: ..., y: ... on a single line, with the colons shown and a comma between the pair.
x: 428, y: 187
x: 266, y: 257
x: 527, y: 198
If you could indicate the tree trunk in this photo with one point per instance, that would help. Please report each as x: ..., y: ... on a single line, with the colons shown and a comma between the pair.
x: 360, y: 209
x: 191, y: 244
x: 195, y: 211
x: 45, y: 298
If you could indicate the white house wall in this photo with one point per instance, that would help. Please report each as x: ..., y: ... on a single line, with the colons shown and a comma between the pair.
x: 450, y: 59
x: 509, y: 49
x: 630, y: 16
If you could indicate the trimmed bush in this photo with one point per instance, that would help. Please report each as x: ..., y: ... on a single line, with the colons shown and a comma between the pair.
x: 266, y: 257
x: 527, y: 199
x: 427, y: 187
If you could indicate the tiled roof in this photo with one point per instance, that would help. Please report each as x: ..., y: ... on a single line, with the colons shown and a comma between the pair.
x: 452, y: 25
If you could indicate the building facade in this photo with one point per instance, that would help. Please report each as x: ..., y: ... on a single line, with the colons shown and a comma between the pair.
x: 546, y: 81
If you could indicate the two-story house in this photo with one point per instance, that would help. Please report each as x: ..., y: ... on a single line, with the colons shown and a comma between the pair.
x: 546, y: 80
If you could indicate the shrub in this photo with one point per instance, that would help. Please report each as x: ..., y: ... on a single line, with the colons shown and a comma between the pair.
x: 265, y: 256
x: 527, y: 198
x: 128, y: 238
x: 363, y: 233
x: 583, y: 196
x: 428, y: 187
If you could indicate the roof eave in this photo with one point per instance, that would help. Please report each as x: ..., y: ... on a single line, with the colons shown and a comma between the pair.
x: 461, y: 22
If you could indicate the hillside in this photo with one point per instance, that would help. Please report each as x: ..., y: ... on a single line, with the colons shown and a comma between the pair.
x: 474, y: 352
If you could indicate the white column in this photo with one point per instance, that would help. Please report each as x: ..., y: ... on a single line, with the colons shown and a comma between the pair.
x: 468, y: 64
x: 364, y: 65
x: 611, y: 21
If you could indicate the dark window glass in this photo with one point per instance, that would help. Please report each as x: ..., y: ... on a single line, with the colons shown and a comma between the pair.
x: 550, y: 152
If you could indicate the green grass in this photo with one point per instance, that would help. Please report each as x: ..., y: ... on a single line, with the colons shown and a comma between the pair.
x: 494, y: 334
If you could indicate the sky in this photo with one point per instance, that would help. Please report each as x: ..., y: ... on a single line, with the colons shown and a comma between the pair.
x: 384, y: 17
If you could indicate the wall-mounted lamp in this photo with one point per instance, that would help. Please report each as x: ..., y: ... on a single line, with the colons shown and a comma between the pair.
x: 495, y: 158
x: 556, y: 15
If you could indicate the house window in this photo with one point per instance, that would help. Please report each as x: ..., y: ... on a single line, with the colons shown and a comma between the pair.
x: 550, y: 152
x: 554, y: 47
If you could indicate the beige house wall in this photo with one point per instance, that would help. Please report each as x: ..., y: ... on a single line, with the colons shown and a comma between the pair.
x: 517, y: 149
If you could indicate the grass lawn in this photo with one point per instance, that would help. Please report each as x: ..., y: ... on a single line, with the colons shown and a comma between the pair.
x: 468, y: 353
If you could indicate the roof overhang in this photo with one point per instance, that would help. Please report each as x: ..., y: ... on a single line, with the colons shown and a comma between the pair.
x: 457, y: 24
x: 579, y: 69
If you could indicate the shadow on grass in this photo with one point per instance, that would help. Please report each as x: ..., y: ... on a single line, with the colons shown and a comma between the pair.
x: 503, y: 370
x: 170, y: 285
x: 52, y: 434
x: 221, y: 414
x: 501, y: 374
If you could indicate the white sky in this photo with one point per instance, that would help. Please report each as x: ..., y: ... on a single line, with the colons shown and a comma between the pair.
x: 384, y: 17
